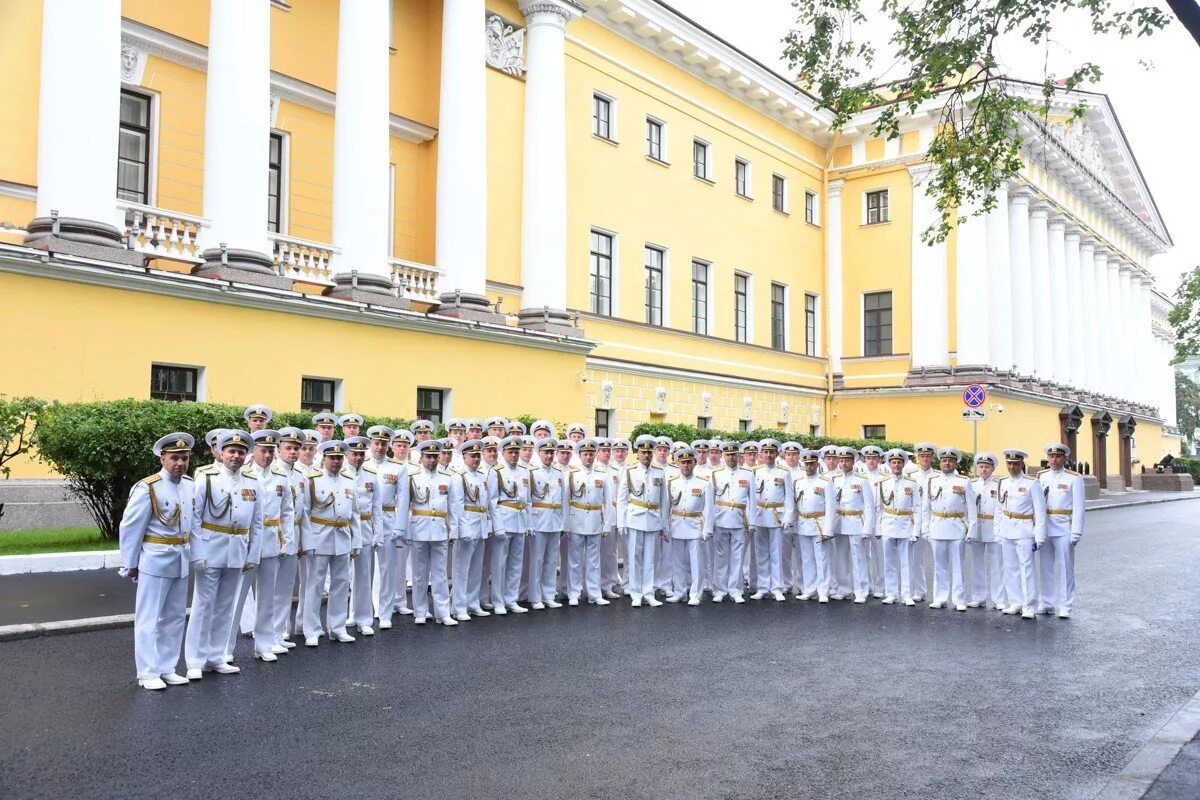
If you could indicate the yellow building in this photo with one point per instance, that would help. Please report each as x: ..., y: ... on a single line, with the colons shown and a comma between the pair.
x: 586, y: 210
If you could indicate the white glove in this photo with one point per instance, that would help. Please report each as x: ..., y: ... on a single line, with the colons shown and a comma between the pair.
x: 1075, y: 537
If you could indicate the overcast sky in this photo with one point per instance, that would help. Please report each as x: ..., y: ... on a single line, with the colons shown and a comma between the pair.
x: 1162, y: 123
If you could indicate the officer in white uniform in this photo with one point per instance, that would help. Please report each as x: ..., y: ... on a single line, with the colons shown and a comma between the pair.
x: 949, y: 515
x: 691, y: 503
x: 431, y: 494
x: 774, y: 511
x: 510, y: 526
x: 663, y: 571
x: 589, y: 508
x: 814, y: 506
x: 641, y: 510
x: 838, y: 548
x: 610, y: 577
x: 733, y: 497
x: 921, y: 470
x: 402, y: 444
x: 366, y: 484
x: 351, y: 426
x: 895, y: 528
x: 547, y: 518
x: 986, y: 565
x: 790, y: 453
x: 307, y: 463
x: 1022, y: 515
x: 257, y: 417
x: 291, y: 441
x: 1065, y: 502
x: 496, y: 426
x: 872, y: 468
x: 324, y: 424
x: 156, y: 555
x: 330, y: 536
x: 390, y: 477
x: 612, y: 558
x: 469, y: 526
x: 853, y: 518
x: 227, y: 528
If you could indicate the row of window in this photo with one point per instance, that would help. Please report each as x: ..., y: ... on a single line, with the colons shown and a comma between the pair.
x: 604, y: 127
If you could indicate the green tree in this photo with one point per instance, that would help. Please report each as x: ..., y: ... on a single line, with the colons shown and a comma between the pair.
x: 1187, y: 407
x: 18, y: 428
x: 1185, y: 316
x: 949, y: 48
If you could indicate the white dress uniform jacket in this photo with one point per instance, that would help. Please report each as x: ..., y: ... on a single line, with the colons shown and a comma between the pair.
x: 430, y: 498
x: 642, y: 499
x: 853, y: 506
x: 814, y: 504
x: 1065, y: 498
x: 949, y: 512
x: 691, y: 502
x: 589, y: 504
x: 156, y: 526
x: 897, y: 504
x: 469, y: 519
x: 987, y: 499
x: 1021, y: 509
x: 548, y: 493
x: 332, y: 526
x: 775, y: 503
x: 733, y: 497
x: 510, y: 503
x: 279, y: 516
x: 227, y: 526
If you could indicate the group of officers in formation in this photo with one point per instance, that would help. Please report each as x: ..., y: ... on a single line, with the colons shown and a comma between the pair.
x: 494, y: 516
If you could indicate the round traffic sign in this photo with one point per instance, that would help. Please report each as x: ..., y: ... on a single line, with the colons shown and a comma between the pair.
x: 974, y: 396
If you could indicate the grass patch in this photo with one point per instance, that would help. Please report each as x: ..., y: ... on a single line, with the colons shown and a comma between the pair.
x: 57, y: 540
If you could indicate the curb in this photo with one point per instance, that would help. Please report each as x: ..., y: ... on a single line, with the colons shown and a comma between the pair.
x: 60, y: 562
x: 31, y: 630
x: 1156, y: 501
x: 1153, y: 759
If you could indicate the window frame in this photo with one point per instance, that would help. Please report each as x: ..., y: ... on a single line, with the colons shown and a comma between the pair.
x: 661, y: 157
x: 812, y: 323
x: 704, y: 423
x: 867, y: 430
x: 742, y: 184
x: 883, y: 213
x: 593, y: 255
x: 436, y: 416
x: 744, y: 425
x: 197, y: 379
x: 334, y: 385
x: 701, y: 146
x: 811, y: 209
x: 604, y: 425
x: 150, y: 132
x: 866, y: 326
x: 707, y: 296
x: 281, y: 204
x: 779, y: 338
x: 779, y: 199
x: 610, y: 122
x: 742, y: 335
x: 647, y: 271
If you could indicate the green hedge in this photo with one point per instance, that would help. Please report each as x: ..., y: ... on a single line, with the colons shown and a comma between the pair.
x: 1192, y: 465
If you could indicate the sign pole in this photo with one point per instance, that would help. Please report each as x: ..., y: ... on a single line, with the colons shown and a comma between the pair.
x: 975, y: 436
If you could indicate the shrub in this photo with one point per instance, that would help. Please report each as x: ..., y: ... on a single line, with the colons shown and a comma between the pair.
x: 1192, y: 466
x: 18, y: 427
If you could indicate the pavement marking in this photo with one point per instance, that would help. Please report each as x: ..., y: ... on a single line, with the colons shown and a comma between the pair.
x: 1148, y: 763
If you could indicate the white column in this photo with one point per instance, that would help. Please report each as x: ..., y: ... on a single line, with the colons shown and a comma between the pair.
x: 1039, y: 270
x: 973, y: 343
x: 1058, y: 319
x: 237, y: 133
x: 930, y: 292
x: 1073, y: 308
x: 460, y: 237
x: 1127, y: 353
x: 361, y: 144
x: 1089, y: 335
x: 1145, y: 339
x: 1000, y: 286
x: 1022, y: 282
x: 1102, y: 341
x: 1115, y: 314
x: 544, y: 191
x: 833, y: 272
x: 79, y: 118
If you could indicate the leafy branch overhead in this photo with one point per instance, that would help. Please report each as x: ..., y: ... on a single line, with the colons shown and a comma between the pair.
x: 18, y: 427
x: 949, y: 49
x: 1185, y: 316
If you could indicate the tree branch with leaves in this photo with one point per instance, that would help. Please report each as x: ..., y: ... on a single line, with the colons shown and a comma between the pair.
x: 18, y: 428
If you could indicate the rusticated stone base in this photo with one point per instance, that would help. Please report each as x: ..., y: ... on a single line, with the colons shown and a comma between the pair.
x: 549, y: 320
x: 367, y: 288
x: 85, y: 238
x: 461, y: 305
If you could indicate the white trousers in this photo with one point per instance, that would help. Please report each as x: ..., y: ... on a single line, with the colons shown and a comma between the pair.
x: 986, y: 573
x: 708, y: 550
x: 564, y: 558
x: 610, y: 570
x: 687, y: 566
x: 429, y: 575
x: 788, y: 559
x: 1056, y: 588
x: 642, y: 550
x: 543, y: 566
x: 385, y: 580
x: 337, y: 569
x: 485, y: 572
x: 302, y: 564
x: 839, y: 565
x: 508, y: 551
x: 917, y: 552
x: 858, y: 581
x: 468, y: 572
x: 583, y: 564
x: 814, y: 564
x: 768, y: 549
x: 285, y: 585
x: 662, y: 564
x: 362, y: 603
x: 897, y: 569
x: 873, y: 548
x: 948, y: 571
x: 1019, y: 586
x: 749, y: 573
x: 159, y: 612
x: 243, y: 612
x: 266, y: 576
x: 214, y: 593
x: 728, y: 547
x: 403, y: 567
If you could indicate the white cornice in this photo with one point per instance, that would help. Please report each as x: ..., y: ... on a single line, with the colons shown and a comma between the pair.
x: 18, y: 190
x: 189, y: 54
x: 36, y: 264
x: 707, y: 378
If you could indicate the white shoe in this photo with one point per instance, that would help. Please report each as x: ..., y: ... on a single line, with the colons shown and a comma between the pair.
x: 517, y: 608
x: 600, y: 601
x: 974, y: 604
x: 499, y: 611
x: 718, y: 597
x: 837, y: 596
x: 287, y: 644
x: 195, y: 674
x: 350, y: 623
x: 267, y: 657
x: 573, y: 601
x: 860, y: 598
x: 385, y: 624
x: 609, y: 594
x: 805, y: 596
x: 675, y: 598
x: 824, y: 599
x: 538, y: 606
x: 224, y: 669
x: 1028, y: 614
x: 152, y: 683
x: 960, y: 607
x: 344, y: 637
x: 449, y: 622
x: 278, y: 649
x: 1045, y: 609
x: 228, y: 658
x: 778, y: 595
x: 695, y: 601
x: 367, y: 630
x: 759, y: 595
x: 737, y: 598
x: 1013, y: 609
x: 908, y: 601
x: 936, y: 604
x: 405, y: 611
x: 919, y: 598
x: 1064, y: 614
x: 418, y: 620
x: 479, y: 612
x: 889, y: 600
x: 174, y: 679
x: 877, y: 595
x: 553, y: 604
x: 310, y: 641
x: 636, y: 602
x: 463, y: 617
x: 653, y: 601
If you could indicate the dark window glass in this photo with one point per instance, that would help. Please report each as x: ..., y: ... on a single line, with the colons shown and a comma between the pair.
x: 654, y: 286
x: 778, y: 193
x: 741, y: 177
x: 602, y: 422
x: 133, y: 148
x: 601, y: 273
x: 744, y: 425
x: 778, y: 317
x: 877, y: 206
x: 703, y: 422
x: 699, y: 297
x: 810, y: 207
x: 874, y: 431
x: 431, y: 404
x: 741, y: 306
x: 700, y: 159
x: 316, y: 394
x: 810, y: 325
x: 602, y: 117
x: 654, y: 132
x: 172, y: 383
x: 275, y: 183
x: 877, y: 324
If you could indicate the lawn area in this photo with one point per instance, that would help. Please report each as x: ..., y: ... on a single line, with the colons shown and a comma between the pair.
x: 58, y: 540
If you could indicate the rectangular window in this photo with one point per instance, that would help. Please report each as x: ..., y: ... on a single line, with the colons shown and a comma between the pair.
x: 602, y: 423
x: 602, y: 117
x: 741, y: 177
x: 814, y: 430
x: 779, y: 193
x: 874, y: 431
x: 778, y: 317
x: 275, y: 184
x: 877, y: 324
x: 654, y: 285
x: 316, y: 394
x: 431, y: 404
x: 654, y: 139
x: 810, y: 207
x: 601, y: 273
x: 877, y: 207
x: 810, y: 324
x: 699, y: 297
x: 703, y: 423
x: 700, y: 159
x: 173, y: 383
x: 133, y: 148
x: 741, y: 306
x: 744, y: 425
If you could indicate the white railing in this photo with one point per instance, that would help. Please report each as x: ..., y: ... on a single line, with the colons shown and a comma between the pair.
x: 160, y: 233
x: 302, y: 259
x: 418, y: 282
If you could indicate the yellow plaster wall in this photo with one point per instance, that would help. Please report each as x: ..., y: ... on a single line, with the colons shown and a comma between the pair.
x: 310, y: 171
x: 416, y: 66
x: 20, y: 64
x: 304, y: 42
x: 506, y: 131
x: 188, y: 20
x: 179, y: 100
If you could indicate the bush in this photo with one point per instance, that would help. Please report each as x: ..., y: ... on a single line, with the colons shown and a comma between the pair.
x: 1192, y: 465
x: 18, y: 428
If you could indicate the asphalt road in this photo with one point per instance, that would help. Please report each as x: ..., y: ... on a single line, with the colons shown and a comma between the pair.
x: 763, y: 700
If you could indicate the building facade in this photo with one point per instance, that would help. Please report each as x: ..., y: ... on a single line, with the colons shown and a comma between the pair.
x: 609, y: 209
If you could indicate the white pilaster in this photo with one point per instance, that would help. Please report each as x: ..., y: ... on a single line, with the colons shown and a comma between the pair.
x: 237, y: 129
x: 1089, y: 334
x: 544, y: 192
x: 973, y: 343
x: 1145, y: 339
x: 1000, y: 287
x: 1126, y: 352
x: 833, y: 272
x: 930, y: 290
x: 361, y: 146
x: 460, y: 236
x: 1072, y: 306
x: 1022, y: 282
x: 79, y: 111
x: 1058, y: 317
x: 1039, y: 270
x: 1115, y: 314
x: 1102, y: 342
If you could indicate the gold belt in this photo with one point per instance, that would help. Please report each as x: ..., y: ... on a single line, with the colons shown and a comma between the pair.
x: 811, y: 514
x: 476, y: 509
x: 152, y: 539
x: 428, y: 512
x: 770, y: 505
x: 633, y: 501
x: 949, y: 514
x: 675, y: 512
x: 898, y: 512
x: 332, y: 523
x: 215, y: 528
x: 537, y: 504
x: 586, y: 506
x: 515, y: 505
x: 366, y: 517
x: 1015, y: 515
x: 388, y: 509
x: 731, y: 504
x: 987, y: 516
x: 848, y: 512
x: 1061, y: 512
x: 273, y: 522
